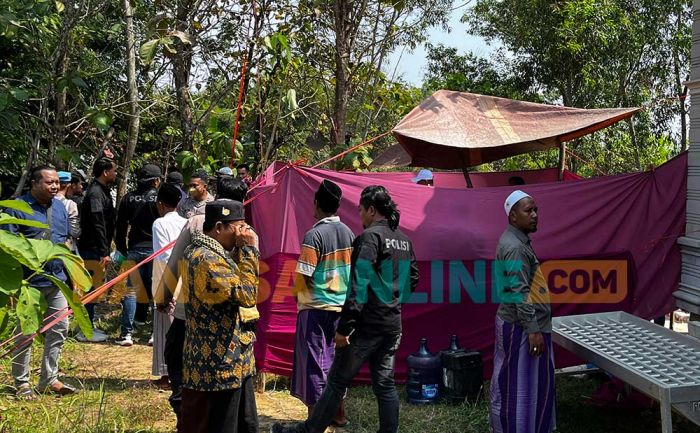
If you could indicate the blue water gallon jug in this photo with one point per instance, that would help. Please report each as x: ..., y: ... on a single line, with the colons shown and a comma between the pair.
x: 424, y: 376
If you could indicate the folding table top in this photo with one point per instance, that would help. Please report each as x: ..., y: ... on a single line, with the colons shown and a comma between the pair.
x: 653, y: 359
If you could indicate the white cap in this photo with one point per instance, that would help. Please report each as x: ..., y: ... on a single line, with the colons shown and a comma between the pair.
x: 424, y: 174
x: 513, y: 198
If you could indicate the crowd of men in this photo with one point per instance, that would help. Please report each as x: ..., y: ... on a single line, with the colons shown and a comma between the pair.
x: 203, y: 291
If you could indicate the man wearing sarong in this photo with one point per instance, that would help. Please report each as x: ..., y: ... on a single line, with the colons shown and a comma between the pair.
x: 218, y: 362
x: 522, y: 387
x: 383, y: 275
x: 324, y: 273
x: 166, y: 229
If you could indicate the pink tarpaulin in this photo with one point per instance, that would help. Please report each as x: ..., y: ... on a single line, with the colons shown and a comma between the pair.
x: 455, y: 129
x: 610, y: 240
x: 479, y: 180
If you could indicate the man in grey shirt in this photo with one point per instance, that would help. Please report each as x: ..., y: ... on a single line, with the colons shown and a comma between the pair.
x: 522, y: 387
x: 524, y: 303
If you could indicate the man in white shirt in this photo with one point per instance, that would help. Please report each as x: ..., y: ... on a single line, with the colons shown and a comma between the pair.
x: 166, y: 229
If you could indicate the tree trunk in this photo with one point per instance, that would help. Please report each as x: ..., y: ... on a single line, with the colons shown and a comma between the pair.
x: 134, y: 110
x: 635, y: 144
x: 36, y: 139
x: 681, y: 91
x: 182, y: 64
x: 61, y: 61
x: 341, y: 13
x: 257, y: 28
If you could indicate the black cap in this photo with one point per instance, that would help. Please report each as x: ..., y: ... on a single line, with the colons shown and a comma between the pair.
x: 175, y: 177
x: 150, y: 171
x: 169, y: 194
x: 330, y: 190
x: 223, y: 210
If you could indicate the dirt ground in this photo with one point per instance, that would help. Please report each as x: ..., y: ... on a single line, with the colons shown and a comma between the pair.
x: 125, y: 370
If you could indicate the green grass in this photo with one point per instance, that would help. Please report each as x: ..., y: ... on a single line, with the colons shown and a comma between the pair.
x: 574, y: 414
x: 119, y: 400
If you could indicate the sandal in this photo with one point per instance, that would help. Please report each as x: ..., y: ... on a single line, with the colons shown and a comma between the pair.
x: 60, y: 389
x: 24, y: 392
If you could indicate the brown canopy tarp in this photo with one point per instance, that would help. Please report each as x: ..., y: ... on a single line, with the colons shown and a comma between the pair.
x: 452, y: 130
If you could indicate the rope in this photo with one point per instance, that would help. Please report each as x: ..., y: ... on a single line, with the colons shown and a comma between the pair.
x: 259, y: 184
x: 66, y: 311
x: 240, y: 91
x: 371, y: 140
x: 571, y: 152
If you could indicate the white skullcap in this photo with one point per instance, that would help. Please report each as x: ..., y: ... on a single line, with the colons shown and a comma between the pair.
x: 513, y: 198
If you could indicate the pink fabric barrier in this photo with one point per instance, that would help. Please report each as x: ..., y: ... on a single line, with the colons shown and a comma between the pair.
x: 617, y: 235
x: 479, y: 180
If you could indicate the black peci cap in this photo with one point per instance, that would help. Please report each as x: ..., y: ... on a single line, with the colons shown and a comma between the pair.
x: 330, y: 189
x: 169, y: 194
x: 224, y: 211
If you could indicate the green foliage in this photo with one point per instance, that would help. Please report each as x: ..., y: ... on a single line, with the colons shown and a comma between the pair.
x: 588, y: 54
x: 584, y: 53
x: 11, y: 276
x: 31, y: 307
x: 468, y: 73
x: 19, y: 205
x: 357, y: 160
x: 20, y: 249
x: 28, y: 304
x: 79, y: 311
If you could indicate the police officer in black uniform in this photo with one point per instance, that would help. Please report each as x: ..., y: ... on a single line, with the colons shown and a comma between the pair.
x: 136, y: 214
x: 383, y: 275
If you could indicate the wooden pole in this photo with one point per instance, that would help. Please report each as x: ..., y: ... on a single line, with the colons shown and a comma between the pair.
x: 562, y: 160
x: 465, y: 171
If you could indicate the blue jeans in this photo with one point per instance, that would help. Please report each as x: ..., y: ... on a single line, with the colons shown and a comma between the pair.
x: 380, y: 351
x: 92, y: 259
x: 136, y: 281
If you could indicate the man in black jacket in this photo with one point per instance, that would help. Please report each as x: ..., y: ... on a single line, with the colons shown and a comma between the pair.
x: 383, y: 275
x: 97, y: 218
x: 137, y: 212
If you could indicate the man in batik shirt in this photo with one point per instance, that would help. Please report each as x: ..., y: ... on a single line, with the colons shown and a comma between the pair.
x: 219, y: 363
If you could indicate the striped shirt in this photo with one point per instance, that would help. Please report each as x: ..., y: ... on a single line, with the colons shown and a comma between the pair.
x: 325, y: 259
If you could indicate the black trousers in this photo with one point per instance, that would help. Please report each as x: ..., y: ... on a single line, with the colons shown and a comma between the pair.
x: 380, y: 351
x: 231, y: 411
x: 174, y: 344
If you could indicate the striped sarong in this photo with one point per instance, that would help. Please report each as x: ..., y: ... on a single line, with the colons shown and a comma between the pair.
x: 314, y: 351
x: 522, y: 387
x: 161, y: 325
